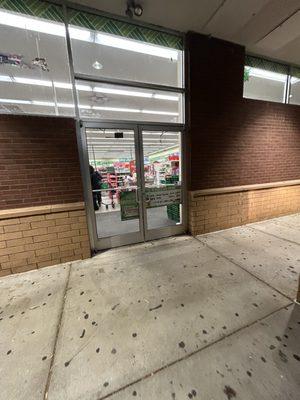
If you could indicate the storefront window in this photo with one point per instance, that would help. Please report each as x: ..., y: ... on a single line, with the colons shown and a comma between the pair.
x: 111, y: 102
x: 265, y: 80
x: 295, y: 86
x: 34, y: 68
x: 264, y: 85
x: 111, y: 49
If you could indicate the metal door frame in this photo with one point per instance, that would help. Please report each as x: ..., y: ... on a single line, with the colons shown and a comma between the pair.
x: 143, y: 234
x: 158, y: 233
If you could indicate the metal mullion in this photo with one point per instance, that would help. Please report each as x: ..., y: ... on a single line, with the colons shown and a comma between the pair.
x: 138, y: 163
x: 92, y: 123
x: 71, y: 64
x: 142, y: 177
x: 81, y: 145
x: 288, y: 87
x: 123, y: 82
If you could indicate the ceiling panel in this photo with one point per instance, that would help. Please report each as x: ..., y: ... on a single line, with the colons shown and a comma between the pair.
x: 283, y: 34
x: 225, y: 22
x: 290, y: 52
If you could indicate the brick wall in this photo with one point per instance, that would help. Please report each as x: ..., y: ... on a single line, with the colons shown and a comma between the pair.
x: 235, y: 141
x: 42, y: 236
x: 208, y: 213
x: 39, y: 161
x: 42, y: 216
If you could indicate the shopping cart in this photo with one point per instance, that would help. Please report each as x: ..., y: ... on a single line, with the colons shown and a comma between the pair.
x: 110, y: 191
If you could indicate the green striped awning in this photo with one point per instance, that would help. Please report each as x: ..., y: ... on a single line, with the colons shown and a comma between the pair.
x: 35, y: 8
x: 125, y: 29
x: 295, y: 71
x: 43, y: 9
x: 256, y: 62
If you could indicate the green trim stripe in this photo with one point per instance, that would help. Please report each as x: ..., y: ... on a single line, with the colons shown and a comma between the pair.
x: 267, y: 65
x: 295, y: 72
x: 35, y: 8
x: 42, y: 9
x: 125, y: 29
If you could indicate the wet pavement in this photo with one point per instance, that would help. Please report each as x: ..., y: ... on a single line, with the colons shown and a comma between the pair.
x: 206, y: 318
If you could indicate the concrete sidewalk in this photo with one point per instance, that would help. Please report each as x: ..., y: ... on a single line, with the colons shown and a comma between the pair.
x: 206, y: 318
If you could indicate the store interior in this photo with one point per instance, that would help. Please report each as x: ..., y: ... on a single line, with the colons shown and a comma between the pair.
x: 116, y: 184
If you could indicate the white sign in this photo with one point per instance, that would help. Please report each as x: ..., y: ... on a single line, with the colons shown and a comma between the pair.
x: 162, y: 196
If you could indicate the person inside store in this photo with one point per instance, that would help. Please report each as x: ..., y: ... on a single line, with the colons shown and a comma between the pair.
x: 129, y: 180
x: 96, y: 180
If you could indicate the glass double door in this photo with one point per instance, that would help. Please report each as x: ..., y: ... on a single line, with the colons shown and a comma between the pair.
x: 134, y: 182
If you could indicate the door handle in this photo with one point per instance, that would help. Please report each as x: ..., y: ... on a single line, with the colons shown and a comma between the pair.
x: 136, y: 194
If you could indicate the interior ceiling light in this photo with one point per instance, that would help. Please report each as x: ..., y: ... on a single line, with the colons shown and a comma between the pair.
x: 87, y: 88
x: 97, y: 65
x: 70, y: 105
x: 54, y: 28
x: 261, y: 73
x: 294, y: 80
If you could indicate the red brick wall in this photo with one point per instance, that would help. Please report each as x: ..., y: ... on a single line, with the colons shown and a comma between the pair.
x: 235, y: 141
x: 39, y: 161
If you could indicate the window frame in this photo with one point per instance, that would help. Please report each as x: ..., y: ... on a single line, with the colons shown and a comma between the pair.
x: 66, y: 7
x: 286, y: 69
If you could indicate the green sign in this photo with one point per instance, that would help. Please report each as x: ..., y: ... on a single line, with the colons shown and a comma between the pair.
x: 129, y: 205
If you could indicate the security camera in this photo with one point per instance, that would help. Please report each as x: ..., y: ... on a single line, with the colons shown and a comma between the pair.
x: 133, y: 9
x: 138, y: 10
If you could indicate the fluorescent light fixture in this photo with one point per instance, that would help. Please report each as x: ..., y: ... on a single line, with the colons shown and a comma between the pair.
x: 15, y: 101
x: 81, y: 34
x: 117, y: 109
x: 43, y: 103
x: 134, y: 110
x: 294, y: 80
x: 121, y: 92
x: 165, y: 97
x: 127, y: 140
x: 159, y: 112
x: 134, y: 93
x: 136, y: 46
x: 84, y: 88
x: 62, y: 85
x: 87, y: 107
x: 65, y: 105
x: 261, y: 73
x: 32, y: 24
x: 29, y: 81
x: 84, y: 107
x: 87, y: 88
x: 5, y: 78
x: 53, y: 28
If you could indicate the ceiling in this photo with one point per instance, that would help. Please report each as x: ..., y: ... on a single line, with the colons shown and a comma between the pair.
x: 103, y: 143
x: 266, y: 27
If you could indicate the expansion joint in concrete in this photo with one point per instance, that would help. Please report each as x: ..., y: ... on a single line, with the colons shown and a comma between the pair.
x: 107, y: 396
x: 272, y: 234
x: 57, y: 333
x: 244, y: 269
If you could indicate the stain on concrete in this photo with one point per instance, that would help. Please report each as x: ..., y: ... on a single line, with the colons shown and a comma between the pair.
x: 230, y: 393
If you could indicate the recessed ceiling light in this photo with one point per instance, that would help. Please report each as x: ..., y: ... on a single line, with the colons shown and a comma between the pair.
x: 97, y: 65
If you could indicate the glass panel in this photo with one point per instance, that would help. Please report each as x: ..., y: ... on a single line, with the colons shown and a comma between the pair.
x: 34, y: 71
x: 107, y: 55
x: 264, y: 85
x: 111, y: 102
x: 162, y: 174
x: 114, y: 181
x: 295, y: 90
